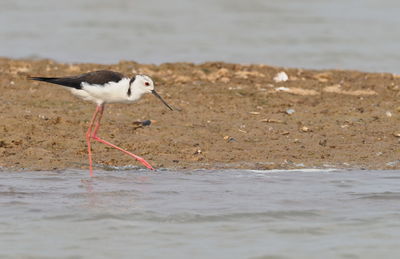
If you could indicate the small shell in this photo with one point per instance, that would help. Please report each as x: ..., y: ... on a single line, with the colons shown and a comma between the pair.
x: 281, y: 77
x: 305, y: 129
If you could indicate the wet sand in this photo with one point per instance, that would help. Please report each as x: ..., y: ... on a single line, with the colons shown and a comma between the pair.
x: 228, y: 116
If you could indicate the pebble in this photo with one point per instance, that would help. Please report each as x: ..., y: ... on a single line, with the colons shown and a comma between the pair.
x: 146, y: 123
x: 271, y: 121
x: 305, y: 129
x: 290, y: 111
x: 229, y: 139
x: 197, y: 152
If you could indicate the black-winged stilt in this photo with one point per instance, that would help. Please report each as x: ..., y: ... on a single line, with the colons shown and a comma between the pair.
x: 103, y: 87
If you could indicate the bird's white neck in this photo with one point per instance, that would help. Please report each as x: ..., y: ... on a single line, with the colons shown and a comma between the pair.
x: 134, y: 93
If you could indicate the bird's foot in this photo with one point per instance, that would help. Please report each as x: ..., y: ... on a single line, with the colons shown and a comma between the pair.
x: 138, y: 158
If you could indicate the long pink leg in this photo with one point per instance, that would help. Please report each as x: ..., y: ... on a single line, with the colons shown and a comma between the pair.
x: 96, y: 128
x: 95, y: 137
x: 138, y: 158
x: 88, y: 136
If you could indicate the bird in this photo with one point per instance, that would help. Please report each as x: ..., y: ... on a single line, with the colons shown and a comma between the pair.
x: 103, y: 87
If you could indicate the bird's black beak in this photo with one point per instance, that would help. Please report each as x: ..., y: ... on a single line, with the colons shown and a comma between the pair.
x: 159, y: 97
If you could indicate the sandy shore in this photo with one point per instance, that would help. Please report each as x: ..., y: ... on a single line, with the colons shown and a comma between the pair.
x: 230, y: 116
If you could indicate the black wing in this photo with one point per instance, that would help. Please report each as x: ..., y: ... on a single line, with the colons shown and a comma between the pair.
x: 100, y: 77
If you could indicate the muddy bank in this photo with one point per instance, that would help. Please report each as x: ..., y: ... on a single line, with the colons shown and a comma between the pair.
x: 230, y: 115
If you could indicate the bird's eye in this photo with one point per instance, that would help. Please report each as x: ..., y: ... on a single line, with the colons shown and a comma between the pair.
x: 146, y: 83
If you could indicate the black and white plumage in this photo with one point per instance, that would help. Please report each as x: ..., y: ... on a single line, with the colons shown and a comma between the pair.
x: 103, y: 87
x: 106, y: 86
x: 100, y: 77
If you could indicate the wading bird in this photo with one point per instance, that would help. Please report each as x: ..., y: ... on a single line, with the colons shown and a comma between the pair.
x: 103, y: 87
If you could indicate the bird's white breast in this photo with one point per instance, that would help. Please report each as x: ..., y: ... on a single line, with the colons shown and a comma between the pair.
x: 113, y: 92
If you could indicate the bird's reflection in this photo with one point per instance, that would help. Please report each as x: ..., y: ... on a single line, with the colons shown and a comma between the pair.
x: 115, y: 192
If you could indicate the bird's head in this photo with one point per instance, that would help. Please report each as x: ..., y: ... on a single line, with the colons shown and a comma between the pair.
x: 142, y: 83
x: 145, y: 84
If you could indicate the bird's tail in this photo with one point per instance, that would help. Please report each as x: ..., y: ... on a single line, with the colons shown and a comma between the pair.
x: 64, y: 81
x: 44, y: 79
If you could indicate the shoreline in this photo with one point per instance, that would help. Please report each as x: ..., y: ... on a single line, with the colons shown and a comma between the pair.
x: 231, y: 116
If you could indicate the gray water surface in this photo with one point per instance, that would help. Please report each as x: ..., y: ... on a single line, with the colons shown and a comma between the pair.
x: 355, y: 34
x: 200, y: 214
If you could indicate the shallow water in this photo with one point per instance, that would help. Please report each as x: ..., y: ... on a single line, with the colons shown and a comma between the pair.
x: 355, y: 34
x: 201, y: 214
